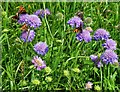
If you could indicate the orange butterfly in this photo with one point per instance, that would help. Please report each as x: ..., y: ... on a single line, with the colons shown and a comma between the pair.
x: 24, y: 27
x: 79, y: 29
x: 20, y: 11
x: 16, y: 17
x: 80, y: 14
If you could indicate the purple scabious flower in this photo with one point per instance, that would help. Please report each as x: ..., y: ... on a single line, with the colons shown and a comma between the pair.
x: 23, y: 18
x: 34, y: 21
x: 109, y: 56
x: 38, y: 12
x: 96, y: 61
x: 41, y: 48
x: 31, y: 20
x: 101, y: 34
x: 110, y: 44
x: 42, y: 13
x: 75, y: 22
x: 27, y: 36
x: 38, y: 63
x: 99, y: 64
x: 45, y: 12
x: 85, y: 35
x: 94, y: 58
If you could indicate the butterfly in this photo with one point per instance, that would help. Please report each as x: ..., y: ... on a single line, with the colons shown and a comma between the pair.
x: 80, y: 14
x: 79, y: 29
x: 16, y: 17
x: 20, y: 11
x: 24, y: 27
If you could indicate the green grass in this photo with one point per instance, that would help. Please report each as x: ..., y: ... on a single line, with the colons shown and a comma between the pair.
x: 65, y: 52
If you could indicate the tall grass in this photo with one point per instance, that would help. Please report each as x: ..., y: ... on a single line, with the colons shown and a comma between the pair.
x: 65, y: 52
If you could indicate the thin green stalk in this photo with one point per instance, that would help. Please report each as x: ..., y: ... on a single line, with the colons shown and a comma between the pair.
x: 47, y: 23
x: 5, y: 21
x: 101, y: 77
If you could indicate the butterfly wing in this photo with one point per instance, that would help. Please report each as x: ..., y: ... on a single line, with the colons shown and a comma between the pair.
x: 79, y: 29
x: 22, y: 10
x: 16, y: 17
x: 24, y: 27
x: 80, y: 14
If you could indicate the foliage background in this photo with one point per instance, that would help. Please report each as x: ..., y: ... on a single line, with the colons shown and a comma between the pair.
x: 65, y: 52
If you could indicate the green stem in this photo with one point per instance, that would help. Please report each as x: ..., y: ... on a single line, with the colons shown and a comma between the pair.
x: 101, y: 78
x: 5, y: 21
x: 47, y: 22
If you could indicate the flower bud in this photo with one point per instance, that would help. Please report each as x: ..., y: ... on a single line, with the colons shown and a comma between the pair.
x: 36, y: 81
x: 48, y: 70
x: 66, y: 73
x: 48, y: 79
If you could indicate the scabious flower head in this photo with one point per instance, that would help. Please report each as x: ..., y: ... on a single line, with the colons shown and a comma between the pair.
x: 99, y: 64
x: 48, y: 79
x: 27, y: 36
x: 96, y: 61
x: 23, y: 18
x: 94, y: 58
x: 59, y: 16
x: 101, y: 34
x: 75, y: 22
x: 38, y: 12
x: 88, y: 20
x: 41, y: 48
x: 85, y: 35
x: 45, y: 12
x: 110, y: 44
x: 66, y: 73
x: 36, y: 81
x: 89, y: 29
x: 89, y: 85
x: 109, y: 56
x: 48, y: 70
x: 34, y: 21
x: 97, y: 87
x: 42, y: 13
x: 38, y: 63
x: 31, y: 20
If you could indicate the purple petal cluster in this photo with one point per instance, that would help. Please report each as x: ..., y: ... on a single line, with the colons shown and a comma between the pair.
x: 101, y: 34
x: 34, y: 21
x: 27, y: 36
x: 38, y: 12
x: 109, y: 56
x: 23, y: 18
x: 96, y: 61
x: 110, y: 44
x: 42, y: 13
x: 38, y: 63
x: 31, y: 20
x: 85, y: 35
x: 45, y: 12
x: 41, y: 48
x: 94, y: 58
x: 75, y: 22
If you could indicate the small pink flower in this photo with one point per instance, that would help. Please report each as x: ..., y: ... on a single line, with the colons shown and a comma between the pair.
x: 38, y: 63
x: 89, y: 85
